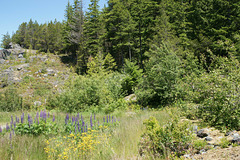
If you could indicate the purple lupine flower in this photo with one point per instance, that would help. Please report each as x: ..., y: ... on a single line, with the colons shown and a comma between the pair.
x: 0, y: 129
x: 73, y: 119
x: 70, y: 132
x: 13, y: 131
x: 112, y: 119
x: 14, y: 124
x: 22, y: 118
x: 53, y: 118
x: 29, y: 120
x: 86, y: 127
x: 103, y: 119
x: 16, y: 118
x: 78, y: 126
x: 67, y: 118
x: 83, y: 123
x: 48, y: 114
x: 11, y: 125
x: 107, y: 119
x: 7, y: 127
x: 44, y: 116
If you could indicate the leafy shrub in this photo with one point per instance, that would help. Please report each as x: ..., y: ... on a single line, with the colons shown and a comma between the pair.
x: 174, y: 137
x: 224, y: 143
x: 41, y: 125
x: 199, y: 144
x: 163, y: 70
x: 216, y: 95
x: 93, y: 92
x: 10, y: 100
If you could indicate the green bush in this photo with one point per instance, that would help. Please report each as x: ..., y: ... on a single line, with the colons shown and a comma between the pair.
x: 10, y: 100
x: 94, y: 92
x: 217, y: 95
x: 174, y: 137
x: 36, y: 129
x: 159, y: 85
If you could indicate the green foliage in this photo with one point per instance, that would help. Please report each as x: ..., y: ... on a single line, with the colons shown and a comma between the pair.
x: 10, y: 100
x: 42, y: 128
x: 173, y: 137
x: 134, y: 74
x: 89, y: 93
x: 163, y: 71
x: 199, y: 144
x: 224, y: 142
x: 216, y: 95
x: 6, y: 41
x: 100, y: 64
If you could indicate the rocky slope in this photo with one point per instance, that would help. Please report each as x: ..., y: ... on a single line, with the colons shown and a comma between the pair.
x: 35, y: 75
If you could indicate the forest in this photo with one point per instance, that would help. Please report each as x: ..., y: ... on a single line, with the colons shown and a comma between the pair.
x: 171, y: 58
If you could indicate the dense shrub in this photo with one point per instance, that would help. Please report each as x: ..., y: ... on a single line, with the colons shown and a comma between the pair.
x: 93, y: 92
x: 175, y: 137
x: 159, y: 85
x: 217, y: 95
x: 10, y: 100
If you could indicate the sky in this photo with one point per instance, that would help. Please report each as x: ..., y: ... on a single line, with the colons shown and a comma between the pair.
x: 15, y: 12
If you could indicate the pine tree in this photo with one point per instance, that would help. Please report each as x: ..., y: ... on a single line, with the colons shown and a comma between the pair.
x: 92, y: 29
x: 6, y: 41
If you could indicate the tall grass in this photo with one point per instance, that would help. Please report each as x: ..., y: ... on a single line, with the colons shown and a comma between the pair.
x: 122, y: 142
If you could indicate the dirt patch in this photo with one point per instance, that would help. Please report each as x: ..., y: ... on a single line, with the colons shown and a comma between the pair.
x: 232, y: 153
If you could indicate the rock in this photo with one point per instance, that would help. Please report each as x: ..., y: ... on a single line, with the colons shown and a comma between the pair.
x: 20, y: 55
x: 202, y: 151
x: 131, y: 97
x: 208, y: 138
x: 37, y: 103
x: 236, y: 138
x: 15, y: 46
x: 203, y: 133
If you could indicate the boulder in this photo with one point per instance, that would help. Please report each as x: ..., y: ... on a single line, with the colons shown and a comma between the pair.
x: 203, y: 133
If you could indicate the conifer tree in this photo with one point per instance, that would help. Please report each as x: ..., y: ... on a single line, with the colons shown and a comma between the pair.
x: 92, y: 28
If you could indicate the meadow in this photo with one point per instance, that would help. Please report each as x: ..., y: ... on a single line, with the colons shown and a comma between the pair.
x: 116, y: 137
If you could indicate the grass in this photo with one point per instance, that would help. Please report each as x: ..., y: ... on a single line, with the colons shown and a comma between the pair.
x: 122, y: 144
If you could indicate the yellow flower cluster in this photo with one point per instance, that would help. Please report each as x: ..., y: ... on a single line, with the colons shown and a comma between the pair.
x: 74, y: 146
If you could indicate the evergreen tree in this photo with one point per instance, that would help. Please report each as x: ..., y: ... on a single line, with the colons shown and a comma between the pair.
x: 6, y: 41
x: 92, y: 28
